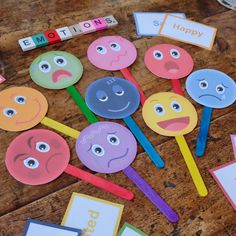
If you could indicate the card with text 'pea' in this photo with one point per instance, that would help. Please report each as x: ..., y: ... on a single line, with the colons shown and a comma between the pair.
x: 130, y: 230
x: 188, y: 31
x: 94, y: 216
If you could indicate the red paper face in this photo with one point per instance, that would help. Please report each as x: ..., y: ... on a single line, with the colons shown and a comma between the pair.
x: 37, y: 157
x: 168, y: 61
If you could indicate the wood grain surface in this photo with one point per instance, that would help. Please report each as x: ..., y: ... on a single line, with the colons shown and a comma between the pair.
x: 210, y: 216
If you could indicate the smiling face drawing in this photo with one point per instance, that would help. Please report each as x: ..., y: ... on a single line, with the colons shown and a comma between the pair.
x: 211, y: 88
x: 112, y: 97
x: 112, y: 53
x: 37, y: 157
x: 21, y: 108
x: 106, y: 147
x: 56, y: 70
x: 169, y: 114
x: 168, y: 61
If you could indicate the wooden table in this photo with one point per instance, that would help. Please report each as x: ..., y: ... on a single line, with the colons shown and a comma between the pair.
x: 212, y: 215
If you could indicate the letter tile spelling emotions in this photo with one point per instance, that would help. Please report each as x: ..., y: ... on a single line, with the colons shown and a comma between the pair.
x: 65, y: 33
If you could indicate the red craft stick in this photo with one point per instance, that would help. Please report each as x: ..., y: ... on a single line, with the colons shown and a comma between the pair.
x: 176, y: 86
x: 127, y: 74
x: 99, y: 182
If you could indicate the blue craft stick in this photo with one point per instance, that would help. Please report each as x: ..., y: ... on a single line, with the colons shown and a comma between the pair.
x: 144, y: 142
x: 203, y: 132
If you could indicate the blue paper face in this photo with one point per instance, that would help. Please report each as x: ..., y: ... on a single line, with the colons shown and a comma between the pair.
x: 211, y: 88
x: 112, y: 98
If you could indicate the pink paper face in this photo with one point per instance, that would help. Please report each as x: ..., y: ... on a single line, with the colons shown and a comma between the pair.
x: 37, y: 157
x: 168, y: 61
x: 112, y: 53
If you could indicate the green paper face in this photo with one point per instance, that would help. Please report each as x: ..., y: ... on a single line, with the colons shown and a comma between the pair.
x: 56, y: 70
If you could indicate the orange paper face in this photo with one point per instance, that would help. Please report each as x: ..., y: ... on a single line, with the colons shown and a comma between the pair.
x: 169, y: 114
x: 21, y: 108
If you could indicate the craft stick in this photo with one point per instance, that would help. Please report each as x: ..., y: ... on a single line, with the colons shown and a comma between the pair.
x: 144, y: 142
x: 152, y: 195
x: 176, y: 86
x: 192, y: 167
x: 203, y: 132
x: 60, y: 127
x: 81, y: 104
x: 127, y: 74
x: 99, y: 182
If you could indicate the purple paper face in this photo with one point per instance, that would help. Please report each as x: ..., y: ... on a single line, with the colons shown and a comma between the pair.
x: 106, y: 147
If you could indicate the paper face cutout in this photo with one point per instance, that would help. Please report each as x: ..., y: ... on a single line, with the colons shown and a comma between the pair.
x: 106, y: 147
x: 168, y: 61
x: 112, y: 53
x: 21, y: 108
x: 56, y: 70
x: 211, y: 88
x: 39, y: 228
x: 37, y: 157
x: 169, y: 114
x: 112, y: 97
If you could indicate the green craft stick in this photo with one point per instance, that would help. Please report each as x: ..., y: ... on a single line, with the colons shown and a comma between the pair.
x: 81, y: 104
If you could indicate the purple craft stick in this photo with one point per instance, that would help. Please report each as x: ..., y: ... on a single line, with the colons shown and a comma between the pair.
x: 153, y: 196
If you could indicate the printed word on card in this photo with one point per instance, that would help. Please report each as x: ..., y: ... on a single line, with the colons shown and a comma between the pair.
x: 225, y: 176
x: 40, y: 228
x: 94, y: 216
x: 130, y: 230
x: 188, y: 31
x: 149, y: 23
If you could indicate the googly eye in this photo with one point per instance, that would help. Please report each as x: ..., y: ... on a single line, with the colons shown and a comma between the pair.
x: 98, y: 150
x: 175, y: 106
x: 220, y: 89
x: 31, y: 163
x: 159, y: 109
x: 203, y: 84
x: 9, y: 112
x: 60, y: 61
x: 101, y: 96
x: 44, y: 66
x: 118, y: 90
x: 101, y: 49
x: 157, y: 55
x: 113, y: 139
x: 20, y: 99
x: 174, y: 53
x: 115, y: 46
x: 42, y: 147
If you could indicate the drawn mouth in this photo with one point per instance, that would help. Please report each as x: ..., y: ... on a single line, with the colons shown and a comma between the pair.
x: 118, y: 58
x: 60, y: 74
x: 210, y: 95
x: 119, y: 110
x: 171, y: 67
x: 175, y: 124
x: 116, y: 158
x: 39, y: 110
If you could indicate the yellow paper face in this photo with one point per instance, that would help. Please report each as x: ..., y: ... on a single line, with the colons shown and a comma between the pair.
x: 169, y: 114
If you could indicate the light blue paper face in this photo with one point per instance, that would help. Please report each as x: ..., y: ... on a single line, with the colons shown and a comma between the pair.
x: 211, y: 88
x: 112, y: 98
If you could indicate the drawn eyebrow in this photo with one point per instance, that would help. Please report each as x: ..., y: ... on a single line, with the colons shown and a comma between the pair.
x: 19, y: 155
x: 154, y: 100
x: 38, y: 60
x: 224, y: 85
x: 201, y: 79
x: 90, y: 147
x: 173, y: 97
x: 29, y: 141
x: 112, y: 132
x: 56, y: 54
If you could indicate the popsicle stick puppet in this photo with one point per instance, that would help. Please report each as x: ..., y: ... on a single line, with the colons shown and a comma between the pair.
x: 114, y: 53
x: 59, y: 70
x: 212, y: 89
x: 15, y: 104
x: 169, y: 62
x: 108, y: 147
x: 117, y: 98
x: 171, y: 114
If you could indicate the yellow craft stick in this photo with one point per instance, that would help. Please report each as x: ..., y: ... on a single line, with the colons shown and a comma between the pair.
x: 192, y: 167
x: 60, y: 127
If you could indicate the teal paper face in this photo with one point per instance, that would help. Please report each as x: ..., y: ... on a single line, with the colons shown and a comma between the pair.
x: 211, y: 88
x: 56, y: 70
